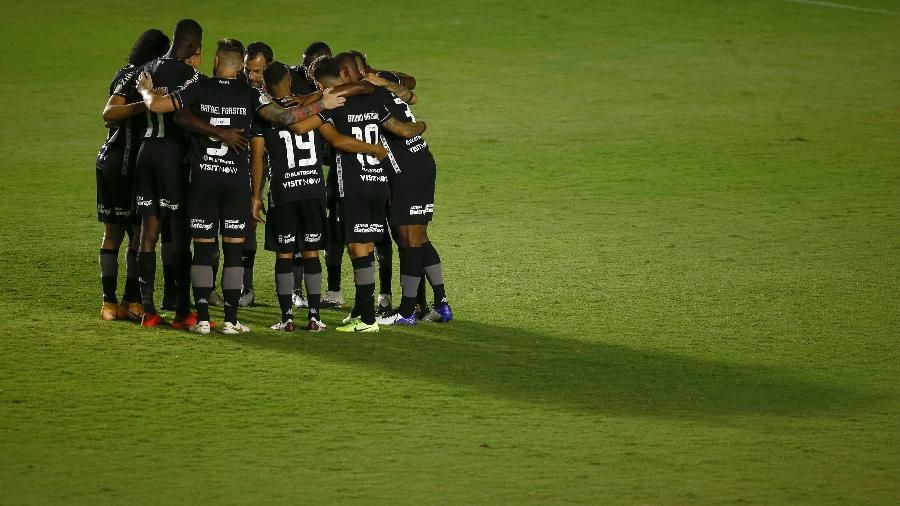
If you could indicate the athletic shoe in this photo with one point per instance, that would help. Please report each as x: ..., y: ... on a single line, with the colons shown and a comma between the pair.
x: 422, y: 311
x: 358, y: 326
x: 151, y: 320
x: 235, y: 328
x: 396, y: 318
x: 109, y: 311
x: 185, y: 322
x: 200, y: 328
x: 215, y: 299
x: 351, y: 318
x: 315, y: 325
x: 298, y: 299
x: 246, y: 298
x: 383, y: 306
x: 131, y: 310
x: 440, y: 314
x: 332, y: 299
x: 287, y: 326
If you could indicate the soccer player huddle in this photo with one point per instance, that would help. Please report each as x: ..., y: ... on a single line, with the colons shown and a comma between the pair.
x: 186, y: 159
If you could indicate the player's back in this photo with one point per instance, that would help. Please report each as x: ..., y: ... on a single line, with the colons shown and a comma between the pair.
x: 169, y: 75
x: 361, y: 117
x: 295, y: 162
x: 226, y: 103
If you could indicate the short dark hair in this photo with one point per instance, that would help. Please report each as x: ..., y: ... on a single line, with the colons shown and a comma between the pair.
x: 150, y: 45
x: 314, y: 50
x: 256, y: 48
x: 187, y: 30
x: 345, y: 58
x: 275, y: 73
x: 324, y: 66
x: 228, y: 45
x: 361, y: 56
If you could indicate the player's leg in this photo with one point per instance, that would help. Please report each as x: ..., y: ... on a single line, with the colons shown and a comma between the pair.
x: 151, y: 154
x: 248, y: 258
x: 281, y: 228
x: 235, y: 219
x: 409, y: 239
x: 435, y: 274
x: 203, y: 219
x: 363, y: 221
x: 311, y: 238
x: 384, y: 253
x: 167, y: 257
x: 297, y: 267
x: 334, y: 256
x: 175, y: 192
x: 131, y: 298
x: 113, y: 233
x: 113, y: 211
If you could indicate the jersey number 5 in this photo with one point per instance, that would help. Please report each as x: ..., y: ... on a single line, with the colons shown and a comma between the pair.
x: 221, y: 150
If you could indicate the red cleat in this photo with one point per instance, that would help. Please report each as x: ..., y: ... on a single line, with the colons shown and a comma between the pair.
x: 188, y: 321
x: 151, y: 320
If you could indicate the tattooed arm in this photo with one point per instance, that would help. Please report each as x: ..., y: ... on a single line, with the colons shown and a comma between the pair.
x: 274, y: 113
x: 401, y: 91
x: 346, y: 90
x: 405, y: 130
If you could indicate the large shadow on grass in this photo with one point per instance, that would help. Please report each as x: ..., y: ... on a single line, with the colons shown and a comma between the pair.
x: 572, y: 374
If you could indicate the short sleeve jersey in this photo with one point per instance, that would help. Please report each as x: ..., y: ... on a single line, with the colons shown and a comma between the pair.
x: 295, y: 162
x: 403, y: 154
x: 360, y: 117
x: 225, y: 103
x: 126, y: 132
x: 169, y: 75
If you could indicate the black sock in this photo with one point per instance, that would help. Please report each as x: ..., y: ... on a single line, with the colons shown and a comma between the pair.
x: 248, y: 258
x: 202, y: 277
x: 215, y: 266
x: 410, y: 277
x: 132, y: 290
x: 167, y: 256
x: 364, y: 278
x: 334, y: 256
x: 182, y: 269
x: 435, y: 273
x: 297, y: 268
x: 284, y: 287
x: 147, y: 279
x: 232, y: 278
x: 420, y: 293
x: 312, y: 275
x: 384, y: 252
x: 109, y: 274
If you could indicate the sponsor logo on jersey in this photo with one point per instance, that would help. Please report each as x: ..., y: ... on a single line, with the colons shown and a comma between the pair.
x: 286, y: 238
x: 369, y: 178
x: 368, y: 228
x: 142, y: 202
x: 104, y: 210
x: 312, y: 237
x: 168, y: 204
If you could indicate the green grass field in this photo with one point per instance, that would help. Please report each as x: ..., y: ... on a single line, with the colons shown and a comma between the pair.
x: 671, y: 233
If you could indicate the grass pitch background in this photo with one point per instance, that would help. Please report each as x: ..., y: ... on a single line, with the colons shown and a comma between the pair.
x: 669, y: 229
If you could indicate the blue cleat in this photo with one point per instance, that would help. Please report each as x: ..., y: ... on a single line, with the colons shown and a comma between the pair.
x: 396, y: 319
x: 441, y: 313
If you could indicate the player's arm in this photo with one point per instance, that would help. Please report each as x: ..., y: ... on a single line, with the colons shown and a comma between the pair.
x: 116, y: 109
x: 407, y: 81
x: 233, y: 137
x: 349, y: 144
x: 153, y: 102
x: 307, y: 125
x: 257, y: 150
x: 346, y: 90
x: 402, y: 129
x: 401, y: 91
x: 274, y: 113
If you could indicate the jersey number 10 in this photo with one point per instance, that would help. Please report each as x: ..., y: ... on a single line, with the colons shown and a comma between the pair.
x: 370, y: 135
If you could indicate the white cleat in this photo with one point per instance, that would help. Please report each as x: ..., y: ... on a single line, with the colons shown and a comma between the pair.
x: 332, y: 299
x: 201, y: 328
x: 235, y: 328
x: 298, y: 299
x: 315, y: 325
x: 287, y: 326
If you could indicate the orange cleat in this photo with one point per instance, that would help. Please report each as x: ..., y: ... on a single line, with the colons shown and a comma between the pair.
x: 109, y: 311
x: 151, y: 320
x: 188, y: 321
x: 131, y: 310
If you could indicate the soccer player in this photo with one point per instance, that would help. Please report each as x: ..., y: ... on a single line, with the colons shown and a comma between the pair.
x: 115, y: 179
x: 361, y: 180
x: 220, y: 178
x: 296, y: 216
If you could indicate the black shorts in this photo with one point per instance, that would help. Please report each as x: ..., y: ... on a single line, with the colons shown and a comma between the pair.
x: 115, y: 186
x: 363, y: 217
x: 296, y: 226
x: 160, y: 178
x: 412, y: 196
x: 219, y: 207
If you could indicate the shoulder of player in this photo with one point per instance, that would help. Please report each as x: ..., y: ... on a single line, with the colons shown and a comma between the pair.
x: 390, y: 76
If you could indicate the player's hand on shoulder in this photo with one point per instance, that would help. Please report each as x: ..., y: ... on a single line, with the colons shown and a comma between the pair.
x: 144, y: 81
x: 331, y: 100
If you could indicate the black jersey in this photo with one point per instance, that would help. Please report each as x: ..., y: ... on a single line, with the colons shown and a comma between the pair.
x: 295, y: 162
x: 124, y: 136
x: 390, y: 76
x: 226, y: 103
x: 403, y: 154
x: 300, y: 82
x: 169, y: 75
x: 356, y: 173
